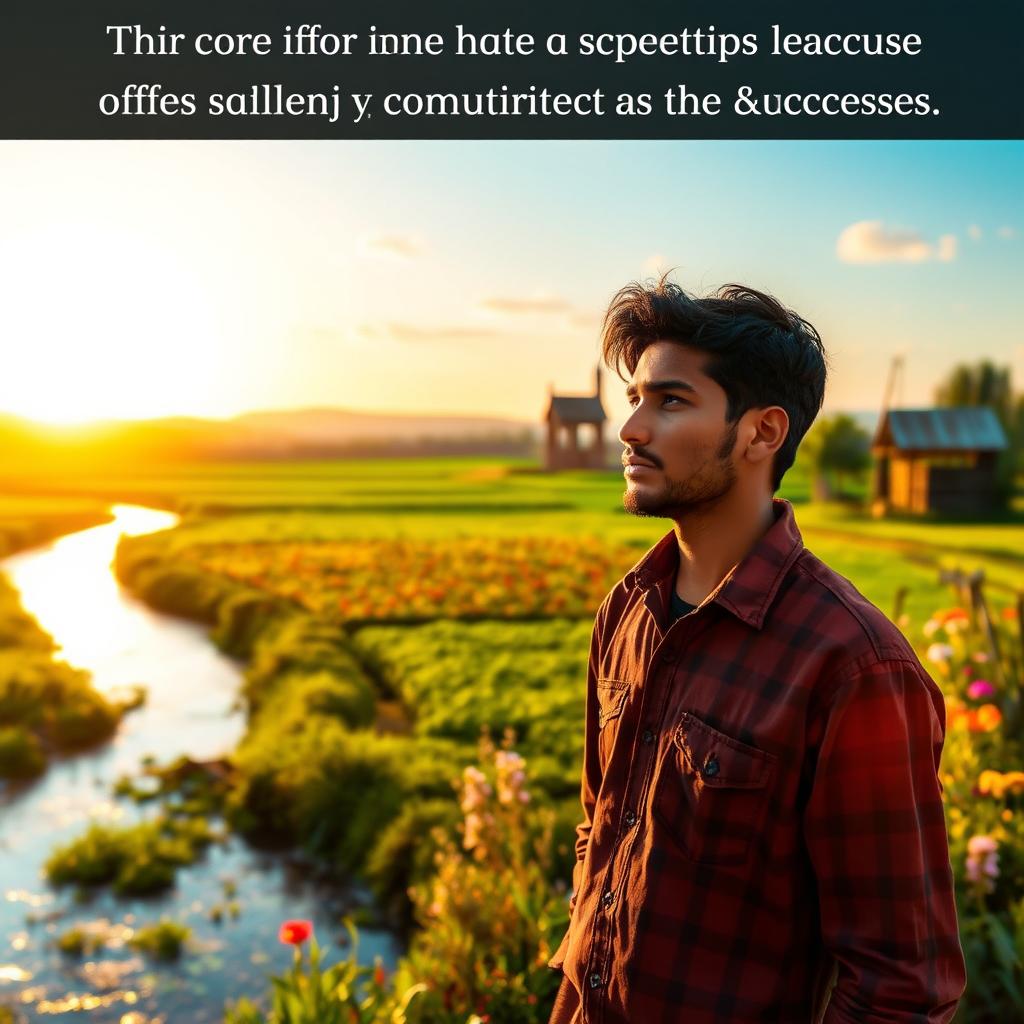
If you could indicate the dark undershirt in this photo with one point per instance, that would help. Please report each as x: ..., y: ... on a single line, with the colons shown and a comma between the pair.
x: 679, y: 606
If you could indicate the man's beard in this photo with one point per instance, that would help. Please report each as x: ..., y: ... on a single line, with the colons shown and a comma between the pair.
x: 703, y: 489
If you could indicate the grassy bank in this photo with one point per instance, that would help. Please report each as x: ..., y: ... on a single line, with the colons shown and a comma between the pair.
x: 26, y: 522
x: 46, y: 706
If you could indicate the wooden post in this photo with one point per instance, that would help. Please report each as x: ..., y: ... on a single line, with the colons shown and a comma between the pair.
x: 897, y: 607
x: 976, y: 582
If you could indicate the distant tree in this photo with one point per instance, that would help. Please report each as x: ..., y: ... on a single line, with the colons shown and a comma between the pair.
x: 837, y: 447
x: 984, y: 383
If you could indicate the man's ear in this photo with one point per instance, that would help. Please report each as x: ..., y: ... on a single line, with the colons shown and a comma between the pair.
x: 768, y: 429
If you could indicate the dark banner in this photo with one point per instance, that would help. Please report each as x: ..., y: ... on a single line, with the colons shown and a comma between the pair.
x: 317, y: 70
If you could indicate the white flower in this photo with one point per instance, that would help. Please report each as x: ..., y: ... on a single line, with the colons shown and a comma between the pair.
x: 939, y: 653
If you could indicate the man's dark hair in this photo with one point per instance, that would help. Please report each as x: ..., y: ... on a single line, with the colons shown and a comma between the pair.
x: 761, y: 353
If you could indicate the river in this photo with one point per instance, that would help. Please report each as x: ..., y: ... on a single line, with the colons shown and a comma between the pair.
x: 192, y: 708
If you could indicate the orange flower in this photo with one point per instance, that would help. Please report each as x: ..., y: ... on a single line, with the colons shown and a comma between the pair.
x: 987, y: 717
x: 294, y: 933
x: 1009, y: 613
x: 378, y: 973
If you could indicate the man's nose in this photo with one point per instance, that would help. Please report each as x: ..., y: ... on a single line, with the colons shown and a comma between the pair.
x: 635, y: 430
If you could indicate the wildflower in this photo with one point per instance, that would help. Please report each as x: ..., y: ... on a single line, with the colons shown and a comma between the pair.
x: 379, y: 976
x: 476, y: 790
x: 987, y: 717
x: 989, y: 781
x: 294, y: 933
x: 930, y: 627
x: 980, y: 657
x: 474, y: 827
x: 1009, y: 613
x: 939, y: 653
x: 983, y: 861
x: 980, y: 688
x: 511, y: 776
x: 903, y: 621
x: 998, y: 784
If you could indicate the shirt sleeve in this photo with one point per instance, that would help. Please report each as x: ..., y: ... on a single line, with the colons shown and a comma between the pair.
x: 590, y: 782
x: 875, y: 833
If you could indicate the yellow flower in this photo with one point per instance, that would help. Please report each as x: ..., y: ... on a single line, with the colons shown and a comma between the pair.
x: 989, y: 781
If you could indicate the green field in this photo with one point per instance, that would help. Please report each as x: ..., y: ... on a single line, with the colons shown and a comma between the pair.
x: 388, y: 611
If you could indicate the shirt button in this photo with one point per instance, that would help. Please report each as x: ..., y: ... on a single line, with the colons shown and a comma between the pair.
x: 630, y: 819
x: 607, y: 898
x: 648, y: 736
x: 710, y: 770
x: 595, y: 980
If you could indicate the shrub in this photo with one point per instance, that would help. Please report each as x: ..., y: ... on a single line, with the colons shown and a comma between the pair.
x: 162, y: 941
x: 135, y: 859
x: 21, y: 756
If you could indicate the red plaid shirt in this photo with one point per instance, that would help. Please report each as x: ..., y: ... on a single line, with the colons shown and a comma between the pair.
x: 762, y: 807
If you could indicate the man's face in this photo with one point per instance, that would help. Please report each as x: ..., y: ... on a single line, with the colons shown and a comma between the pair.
x: 676, y: 438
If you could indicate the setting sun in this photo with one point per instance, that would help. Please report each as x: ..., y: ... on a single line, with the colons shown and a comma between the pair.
x: 110, y: 324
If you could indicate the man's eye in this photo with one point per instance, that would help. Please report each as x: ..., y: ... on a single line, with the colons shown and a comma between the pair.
x: 674, y: 398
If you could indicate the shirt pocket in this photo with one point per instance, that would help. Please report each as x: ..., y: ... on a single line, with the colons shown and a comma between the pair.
x: 712, y: 793
x: 611, y: 698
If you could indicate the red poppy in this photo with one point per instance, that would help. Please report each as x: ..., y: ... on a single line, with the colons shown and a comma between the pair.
x: 294, y: 933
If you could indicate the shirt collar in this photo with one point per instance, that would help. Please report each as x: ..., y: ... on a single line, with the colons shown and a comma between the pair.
x: 750, y: 588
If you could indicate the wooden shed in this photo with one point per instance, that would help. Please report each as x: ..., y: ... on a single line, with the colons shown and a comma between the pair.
x: 936, y: 460
x: 576, y: 430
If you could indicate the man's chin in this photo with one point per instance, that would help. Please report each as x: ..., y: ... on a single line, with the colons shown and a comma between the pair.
x: 639, y: 504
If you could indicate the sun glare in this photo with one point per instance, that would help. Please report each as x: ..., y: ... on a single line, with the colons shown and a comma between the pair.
x: 107, y: 324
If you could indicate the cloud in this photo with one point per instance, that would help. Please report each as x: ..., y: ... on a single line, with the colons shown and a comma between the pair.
x: 974, y: 233
x: 870, y: 241
x: 1006, y: 231
x: 404, y: 246
x: 522, y: 304
x: 420, y: 332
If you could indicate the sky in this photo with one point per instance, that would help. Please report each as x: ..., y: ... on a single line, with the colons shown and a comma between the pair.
x: 163, y: 278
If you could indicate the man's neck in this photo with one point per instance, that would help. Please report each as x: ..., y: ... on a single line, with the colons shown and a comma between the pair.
x: 713, y: 541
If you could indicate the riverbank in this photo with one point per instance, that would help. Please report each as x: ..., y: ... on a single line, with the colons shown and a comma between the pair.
x: 26, y: 522
x: 233, y: 897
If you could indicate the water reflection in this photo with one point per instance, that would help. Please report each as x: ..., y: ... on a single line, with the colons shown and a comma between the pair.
x: 191, y: 708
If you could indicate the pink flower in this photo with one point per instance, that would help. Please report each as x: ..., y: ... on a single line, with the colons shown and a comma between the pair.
x: 983, y: 861
x: 980, y: 688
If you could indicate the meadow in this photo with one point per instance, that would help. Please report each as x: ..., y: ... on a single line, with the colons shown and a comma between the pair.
x: 391, y: 612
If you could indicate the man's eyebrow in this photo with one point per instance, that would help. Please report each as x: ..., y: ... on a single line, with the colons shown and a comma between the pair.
x: 661, y: 385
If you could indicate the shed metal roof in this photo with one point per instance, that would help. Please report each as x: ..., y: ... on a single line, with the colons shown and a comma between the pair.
x: 956, y: 429
x: 573, y: 409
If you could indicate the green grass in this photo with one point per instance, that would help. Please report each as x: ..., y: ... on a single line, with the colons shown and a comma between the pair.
x: 45, y: 704
x: 26, y: 521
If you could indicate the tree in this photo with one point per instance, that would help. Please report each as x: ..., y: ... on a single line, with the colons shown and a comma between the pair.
x: 985, y: 383
x: 836, y: 445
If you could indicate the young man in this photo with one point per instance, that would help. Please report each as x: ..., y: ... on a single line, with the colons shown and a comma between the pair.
x: 762, y: 812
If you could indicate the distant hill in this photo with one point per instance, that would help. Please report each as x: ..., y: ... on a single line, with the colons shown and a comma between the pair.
x: 284, y: 434
x: 341, y: 426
